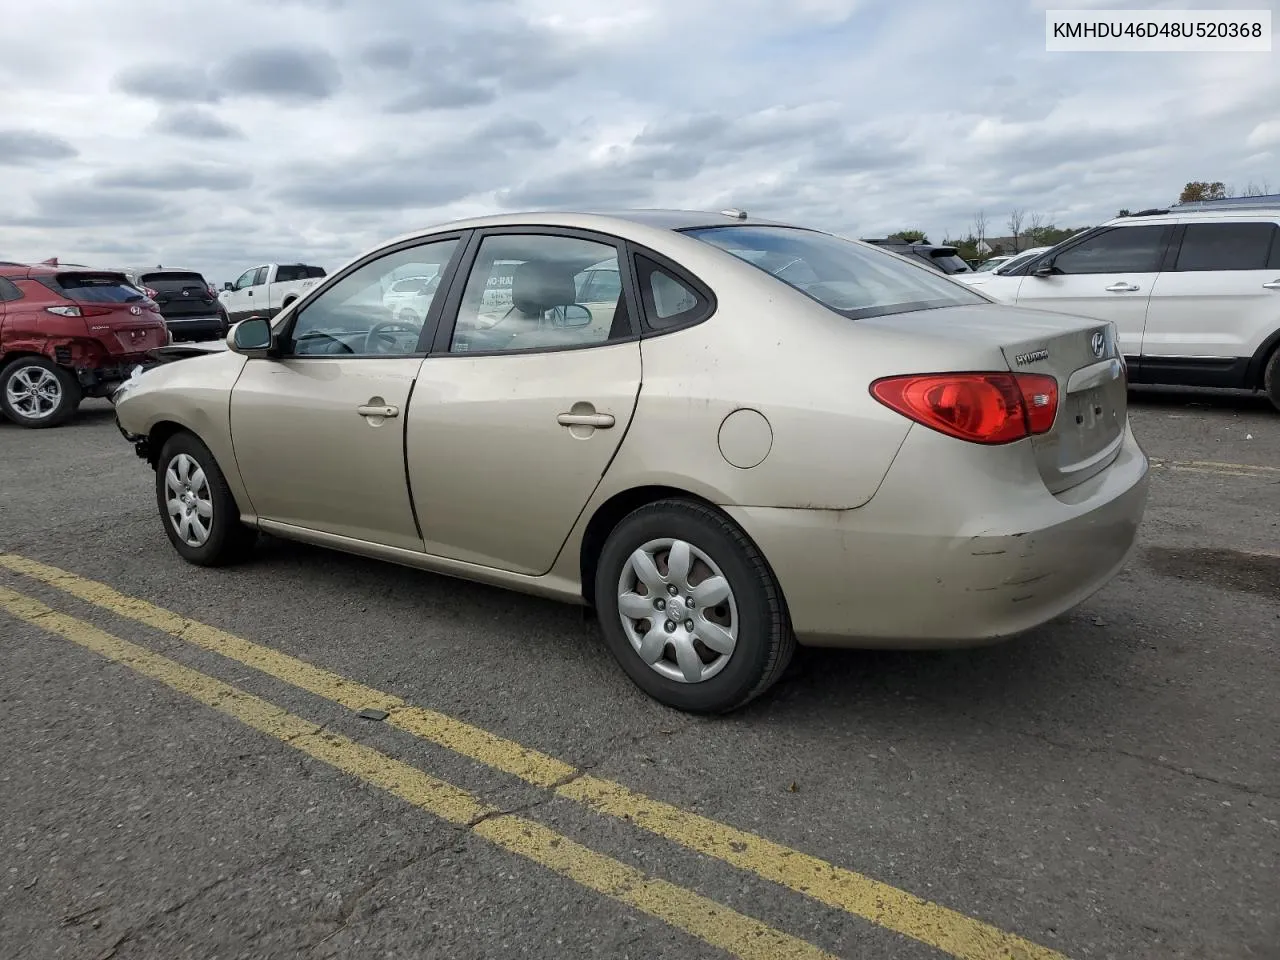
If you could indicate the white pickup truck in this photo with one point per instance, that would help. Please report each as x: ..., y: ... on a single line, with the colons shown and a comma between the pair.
x: 265, y: 290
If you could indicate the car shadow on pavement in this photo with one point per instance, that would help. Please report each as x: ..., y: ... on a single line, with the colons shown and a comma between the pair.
x: 1053, y: 670
x: 1157, y: 397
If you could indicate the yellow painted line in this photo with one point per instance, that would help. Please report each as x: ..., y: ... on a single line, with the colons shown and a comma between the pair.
x: 1214, y: 466
x: 718, y: 925
x: 855, y: 893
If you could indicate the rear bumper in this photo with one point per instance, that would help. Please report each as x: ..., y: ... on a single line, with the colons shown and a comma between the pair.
x: 185, y: 329
x: 947, y: 554
x: 102, y: 381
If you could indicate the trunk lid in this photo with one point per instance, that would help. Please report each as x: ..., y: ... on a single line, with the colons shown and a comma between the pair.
x: 1081, y: 354
x: 116, y: 314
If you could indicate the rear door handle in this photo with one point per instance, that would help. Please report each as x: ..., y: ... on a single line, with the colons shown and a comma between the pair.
x: 1122, y: 287
x: 601, y: 421
x: 375, y: 410
x: 1273, y: 285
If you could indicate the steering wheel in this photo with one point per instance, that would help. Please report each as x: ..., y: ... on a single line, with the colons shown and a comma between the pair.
x: 378, y: 334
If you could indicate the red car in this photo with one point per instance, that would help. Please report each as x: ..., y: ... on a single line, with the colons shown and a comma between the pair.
x: 67, y: 333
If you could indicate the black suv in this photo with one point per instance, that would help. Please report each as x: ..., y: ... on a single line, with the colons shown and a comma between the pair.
x: 943, y: 259
x: 189, y: 305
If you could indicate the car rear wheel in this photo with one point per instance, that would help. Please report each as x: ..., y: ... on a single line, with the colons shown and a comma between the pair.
x: 690, y: 608
x: 1271, y: 378
x: 199, y: 513
x: 36, y: 393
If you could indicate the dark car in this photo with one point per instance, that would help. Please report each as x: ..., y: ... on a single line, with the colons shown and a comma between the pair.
x: 942, y: 258
x: 188, y: 303
x: 67, y: 333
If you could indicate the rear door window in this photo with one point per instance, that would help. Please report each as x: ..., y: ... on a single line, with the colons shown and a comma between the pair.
x: 1225, y: 246
x: 668, y: 301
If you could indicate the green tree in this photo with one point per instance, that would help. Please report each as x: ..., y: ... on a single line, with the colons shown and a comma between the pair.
x: 910, y: 236
x: 1196, y: 190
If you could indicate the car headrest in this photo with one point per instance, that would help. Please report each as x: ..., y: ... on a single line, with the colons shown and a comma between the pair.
x: 538, y: 286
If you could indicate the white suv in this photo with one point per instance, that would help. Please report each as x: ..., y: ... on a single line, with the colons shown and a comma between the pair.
x: 1194, y: 291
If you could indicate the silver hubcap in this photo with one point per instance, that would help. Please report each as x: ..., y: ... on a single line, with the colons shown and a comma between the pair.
x: 678, y: 611
x: 188, y: 500
x: 34, y: 392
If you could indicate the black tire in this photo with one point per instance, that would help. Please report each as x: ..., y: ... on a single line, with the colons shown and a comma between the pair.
x: 228, y: 539
x: 1271, y: 378
x: 69, y: 393
x: 765, y: 643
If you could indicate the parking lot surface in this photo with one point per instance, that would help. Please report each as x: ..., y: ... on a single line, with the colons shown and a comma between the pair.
x: 184, y: 770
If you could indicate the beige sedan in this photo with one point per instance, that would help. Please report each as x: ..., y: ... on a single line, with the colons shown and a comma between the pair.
x: 777, y: 436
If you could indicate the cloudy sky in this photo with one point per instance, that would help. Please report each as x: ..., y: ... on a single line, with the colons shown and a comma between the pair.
x: 225, y: 133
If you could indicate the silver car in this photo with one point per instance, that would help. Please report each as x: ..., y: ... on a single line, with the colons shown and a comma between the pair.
x: 766, y: 435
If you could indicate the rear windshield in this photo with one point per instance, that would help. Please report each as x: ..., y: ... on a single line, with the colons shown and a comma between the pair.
x: 95, y: 287
x: 850, y: 278
x: 950, y: 262
x: 172, y: 282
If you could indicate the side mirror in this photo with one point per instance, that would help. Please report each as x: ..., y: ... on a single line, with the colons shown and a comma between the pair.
x: 1043, y: 270
x: 571, y: 315
x: 226, y: 285
x: 252, y: 337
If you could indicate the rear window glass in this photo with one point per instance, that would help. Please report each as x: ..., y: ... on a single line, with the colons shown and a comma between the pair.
x: 172, y: 282
x: 96, y: 288
x: 850, y: 278
x: 950, y: 263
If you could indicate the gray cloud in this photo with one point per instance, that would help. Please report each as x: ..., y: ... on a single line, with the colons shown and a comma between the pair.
x: 398, y: 190
x: 77, y: 205
x: 168, y: 82
x: 281, y: 73
x: 23, y: 147
x: 443, y: 95
x: 179, y: 176
x: 516, y: 56
x: 391, y: 54
x: 194, y: 123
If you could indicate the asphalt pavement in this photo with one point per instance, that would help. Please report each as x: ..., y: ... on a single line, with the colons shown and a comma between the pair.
x: 184, y: 771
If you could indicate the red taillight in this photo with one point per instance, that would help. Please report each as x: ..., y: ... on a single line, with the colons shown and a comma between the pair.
x: 978, y: 407
x: 151, y: 294
x: 79, y: 311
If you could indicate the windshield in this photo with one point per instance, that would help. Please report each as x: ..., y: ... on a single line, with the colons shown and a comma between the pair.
x: 1014, y: 262
x: 850, y: 278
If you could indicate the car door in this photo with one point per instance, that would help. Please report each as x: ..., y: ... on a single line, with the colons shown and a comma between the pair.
x: 523, y: 402
x: 1107, y: 275
x: 239, y: 299
x: 319, y: 430
x: 1215, y: 306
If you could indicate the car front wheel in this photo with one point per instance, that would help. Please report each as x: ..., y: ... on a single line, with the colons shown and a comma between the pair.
x: 690, y: 608
x: 36, y: 393
x: 199, y: 513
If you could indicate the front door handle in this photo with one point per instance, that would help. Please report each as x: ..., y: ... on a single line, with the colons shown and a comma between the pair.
x: 1122, y: 287
x: 601, y: 421
x: 377, y: 410
x: 1273, y: 285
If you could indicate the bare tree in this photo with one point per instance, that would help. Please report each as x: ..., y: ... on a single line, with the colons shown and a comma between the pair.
x: 980, y: 226
x: 1034, y: 222
x: 1256, y: 190
x: 1015, y: 226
